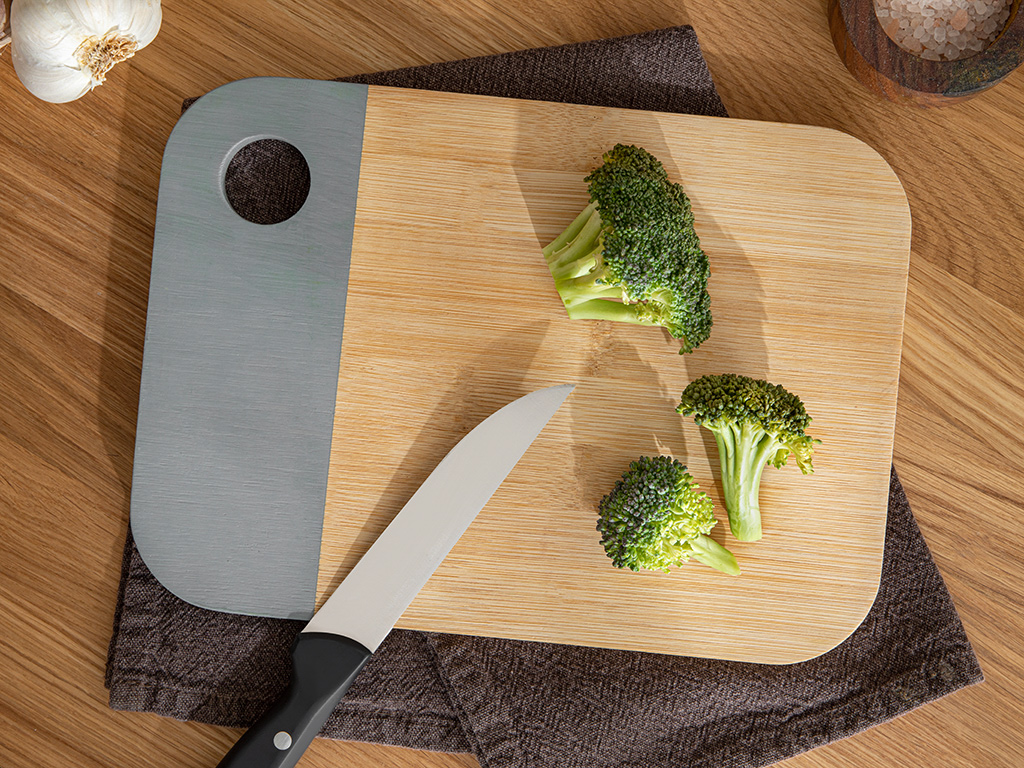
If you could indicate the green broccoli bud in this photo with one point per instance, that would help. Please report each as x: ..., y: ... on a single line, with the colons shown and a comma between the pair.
x: 755, y: 423
x: 632, y: 255
x: 655, y: 518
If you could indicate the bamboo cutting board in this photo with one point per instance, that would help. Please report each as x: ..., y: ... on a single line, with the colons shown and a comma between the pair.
x: 444, y: 311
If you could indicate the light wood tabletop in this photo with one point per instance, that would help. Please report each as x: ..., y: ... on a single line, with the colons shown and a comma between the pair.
x: 78, y: 188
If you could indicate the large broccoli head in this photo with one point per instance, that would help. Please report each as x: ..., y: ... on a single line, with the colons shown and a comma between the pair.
x: 633, y: 255
x: 655, y: 518
x: 754, y: 423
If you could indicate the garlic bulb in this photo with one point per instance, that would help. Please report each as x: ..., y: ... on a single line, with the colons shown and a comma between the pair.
x: 62, y: 49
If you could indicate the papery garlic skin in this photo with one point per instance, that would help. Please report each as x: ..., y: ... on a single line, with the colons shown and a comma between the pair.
x: 62, y: 49
x: 5, y: 37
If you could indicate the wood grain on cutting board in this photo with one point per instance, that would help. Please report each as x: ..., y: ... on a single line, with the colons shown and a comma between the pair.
x: 451, y: 313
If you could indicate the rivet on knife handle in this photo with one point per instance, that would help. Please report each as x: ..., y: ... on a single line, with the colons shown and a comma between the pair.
x: 323, y: 668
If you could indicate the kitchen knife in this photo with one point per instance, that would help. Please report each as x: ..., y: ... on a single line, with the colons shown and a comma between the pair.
x: 340, y: 638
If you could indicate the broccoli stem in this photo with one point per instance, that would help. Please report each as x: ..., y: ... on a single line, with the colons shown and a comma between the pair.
x: 710, y: 552
x: 585, y: 240
x: 579, y: 268
x: 603, y: 309
x: 744, y: 451
x: 569, y: 233
x: 587, y: 288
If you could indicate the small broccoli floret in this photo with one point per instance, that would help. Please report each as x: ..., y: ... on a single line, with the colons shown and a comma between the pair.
x: 655, y: 518
x: 754, y: 423
x: 633, y: 255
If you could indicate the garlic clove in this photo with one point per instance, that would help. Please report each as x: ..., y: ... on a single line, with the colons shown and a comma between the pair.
x: 140, y: 18
x: 62, y: 49
x: 44, y: 32
x: 54, y: 83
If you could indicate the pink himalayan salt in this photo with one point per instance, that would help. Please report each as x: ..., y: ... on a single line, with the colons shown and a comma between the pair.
x: 930, y: 23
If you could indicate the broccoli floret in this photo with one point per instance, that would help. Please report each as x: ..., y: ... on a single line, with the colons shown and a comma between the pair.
x: 655, y: 518
x: 632, y: 255
x: 754, y: 423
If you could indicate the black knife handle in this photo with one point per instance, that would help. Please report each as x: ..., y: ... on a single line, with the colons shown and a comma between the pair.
x: 323, y: 668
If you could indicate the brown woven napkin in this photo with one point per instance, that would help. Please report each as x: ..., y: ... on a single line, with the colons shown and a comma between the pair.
x: 516, y: 703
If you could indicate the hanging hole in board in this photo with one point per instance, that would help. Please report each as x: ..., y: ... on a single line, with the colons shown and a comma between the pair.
x: 267, y: 181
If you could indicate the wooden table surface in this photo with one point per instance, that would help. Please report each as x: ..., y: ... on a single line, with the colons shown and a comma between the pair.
x: 78, y: 188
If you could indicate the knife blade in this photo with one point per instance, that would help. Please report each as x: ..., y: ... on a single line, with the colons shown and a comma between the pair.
x: 344, y: 633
